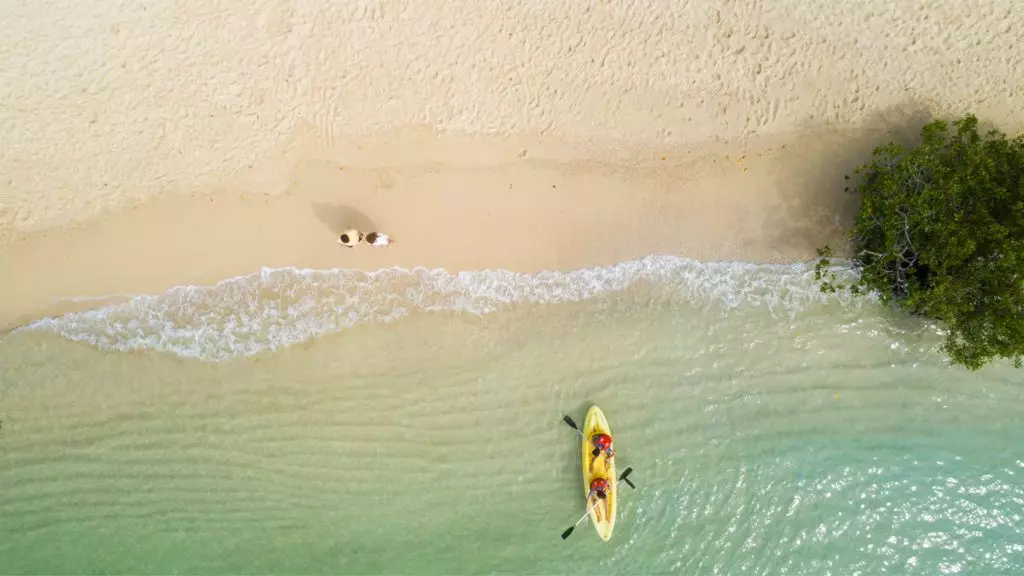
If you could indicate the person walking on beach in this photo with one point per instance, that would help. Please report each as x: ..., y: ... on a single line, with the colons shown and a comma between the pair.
x: 378, y: 239
x: 349, y: 238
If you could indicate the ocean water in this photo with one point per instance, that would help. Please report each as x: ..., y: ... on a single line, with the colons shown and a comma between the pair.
x: 409, y: 422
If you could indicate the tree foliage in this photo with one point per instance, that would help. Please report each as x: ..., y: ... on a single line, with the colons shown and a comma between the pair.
x: 940, y: 234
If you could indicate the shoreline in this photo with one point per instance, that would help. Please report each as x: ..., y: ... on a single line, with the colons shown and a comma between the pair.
x: 469, y: 204
x: 276, y: 308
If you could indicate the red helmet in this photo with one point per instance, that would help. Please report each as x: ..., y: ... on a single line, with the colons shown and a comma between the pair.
x: 602, y: 441
x: 599, y: 484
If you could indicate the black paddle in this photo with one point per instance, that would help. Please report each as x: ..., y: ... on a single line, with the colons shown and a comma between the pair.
x: 568, y: 532
x: 572, y: 424
x: 623, y: 478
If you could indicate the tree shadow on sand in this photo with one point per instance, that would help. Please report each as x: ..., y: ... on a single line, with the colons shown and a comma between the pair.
x: 339, y: 217
x: 816, y: 210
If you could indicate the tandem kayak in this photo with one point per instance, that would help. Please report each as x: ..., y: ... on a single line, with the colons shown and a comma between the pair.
x: 603, y: 515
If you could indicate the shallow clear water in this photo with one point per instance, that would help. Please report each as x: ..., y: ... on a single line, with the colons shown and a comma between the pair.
x: 410, y: 423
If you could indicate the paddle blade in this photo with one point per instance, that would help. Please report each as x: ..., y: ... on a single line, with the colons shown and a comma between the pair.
x: 572, y: 423
x: 624, y: 478
x: 568, y: 532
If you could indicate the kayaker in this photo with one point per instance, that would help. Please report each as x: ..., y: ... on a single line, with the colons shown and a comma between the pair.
x: 598, y: 493
x: 602, y: 444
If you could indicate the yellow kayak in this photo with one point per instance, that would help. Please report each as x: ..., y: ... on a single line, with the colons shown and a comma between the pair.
x: 603, y: 515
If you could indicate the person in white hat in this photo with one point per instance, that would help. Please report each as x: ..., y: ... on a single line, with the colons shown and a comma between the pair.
x: 349, y: 238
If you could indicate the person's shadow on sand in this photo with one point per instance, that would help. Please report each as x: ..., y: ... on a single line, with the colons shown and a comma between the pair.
x: 338, y: 218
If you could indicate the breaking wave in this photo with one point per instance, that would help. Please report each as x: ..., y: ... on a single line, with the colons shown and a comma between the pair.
x: 279, y: 307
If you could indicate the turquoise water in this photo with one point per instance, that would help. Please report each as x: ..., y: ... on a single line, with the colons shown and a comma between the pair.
x: 410, y: 423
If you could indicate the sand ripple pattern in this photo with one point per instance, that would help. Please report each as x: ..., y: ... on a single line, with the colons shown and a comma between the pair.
x: 265, y: 311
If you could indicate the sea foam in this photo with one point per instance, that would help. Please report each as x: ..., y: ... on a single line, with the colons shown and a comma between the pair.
x: 278, y: 307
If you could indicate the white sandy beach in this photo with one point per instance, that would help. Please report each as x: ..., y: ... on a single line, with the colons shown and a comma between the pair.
x: 168, y: 143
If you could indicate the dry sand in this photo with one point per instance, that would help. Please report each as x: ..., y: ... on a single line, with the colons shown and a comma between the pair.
x: 163, y: 143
